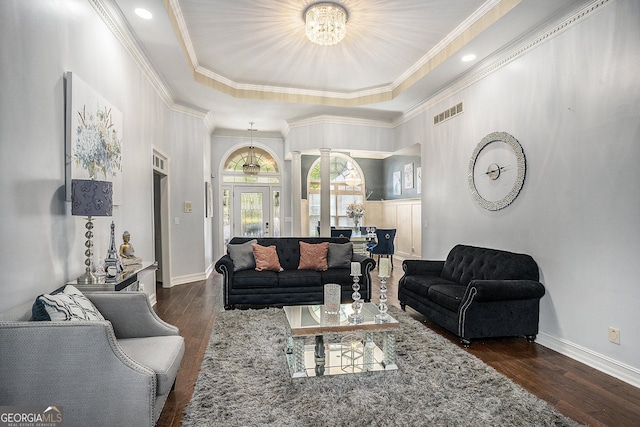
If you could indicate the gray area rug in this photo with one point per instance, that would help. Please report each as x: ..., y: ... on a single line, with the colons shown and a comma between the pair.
x: 244, y: 380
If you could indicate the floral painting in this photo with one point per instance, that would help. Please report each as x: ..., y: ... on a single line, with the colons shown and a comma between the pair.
x: 93, y: 137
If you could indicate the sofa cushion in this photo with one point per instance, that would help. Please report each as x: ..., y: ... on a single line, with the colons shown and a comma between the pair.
x: 420, y: 284
x: 340, y: 255
x: 162, y: 354
x: 299, y: 279
x: 313, y: 256
x: 266, y: 258
x: 242, y: 255
x: 70, y: 304
x: 253, y: 279
x: 448, y: 296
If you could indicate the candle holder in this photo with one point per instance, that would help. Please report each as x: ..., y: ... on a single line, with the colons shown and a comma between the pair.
x: 382, y: 317
x: 356, y: 316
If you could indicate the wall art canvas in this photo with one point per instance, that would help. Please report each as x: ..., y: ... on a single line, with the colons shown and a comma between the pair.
x: 93, y: 137
x: 397, y: 183
x: 419, y: 179
x: 408, y: 175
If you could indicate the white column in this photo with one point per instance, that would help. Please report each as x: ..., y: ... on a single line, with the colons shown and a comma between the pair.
x: 296, y: 197
x: 325, y: 192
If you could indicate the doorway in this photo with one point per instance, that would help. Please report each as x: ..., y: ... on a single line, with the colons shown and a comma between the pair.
x: 162, y: 247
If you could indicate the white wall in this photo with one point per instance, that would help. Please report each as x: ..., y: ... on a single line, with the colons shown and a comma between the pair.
x: 41, y: 244
x: 572, y: 102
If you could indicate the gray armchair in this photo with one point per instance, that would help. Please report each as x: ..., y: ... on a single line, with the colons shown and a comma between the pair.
x: 117, y: 372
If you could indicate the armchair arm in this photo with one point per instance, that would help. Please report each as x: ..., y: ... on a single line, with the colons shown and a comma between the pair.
x: 225, y: 265
x: 413, y: 267
x: 131, y: 314
x: 76, y: 365
x: 504, y: 290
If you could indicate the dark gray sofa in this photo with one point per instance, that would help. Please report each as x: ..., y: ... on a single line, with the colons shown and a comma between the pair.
x: 290, y: 286
x: 476, y: 292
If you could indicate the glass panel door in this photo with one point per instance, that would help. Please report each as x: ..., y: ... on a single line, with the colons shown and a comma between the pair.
x: 251, y: 211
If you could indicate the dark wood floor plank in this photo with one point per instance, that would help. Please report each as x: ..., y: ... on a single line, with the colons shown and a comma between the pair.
x: 578, y: 391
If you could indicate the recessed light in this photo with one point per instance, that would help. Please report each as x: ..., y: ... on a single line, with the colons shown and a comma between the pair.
x: 143, y: 13
x: 468, y: 58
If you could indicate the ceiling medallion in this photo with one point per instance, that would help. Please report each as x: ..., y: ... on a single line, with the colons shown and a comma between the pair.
x: 251, y: 167
x: 326, y: 23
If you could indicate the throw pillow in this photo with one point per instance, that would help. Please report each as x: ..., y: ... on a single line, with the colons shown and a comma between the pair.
x: 313, y: 256
x: 70, y: 304
x: 340, y: 255
x: 266, y: 258
x: 242, y: 255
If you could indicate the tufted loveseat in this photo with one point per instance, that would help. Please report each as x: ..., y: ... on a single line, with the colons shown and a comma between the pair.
x: 290, y: 286
x: 475, y: 292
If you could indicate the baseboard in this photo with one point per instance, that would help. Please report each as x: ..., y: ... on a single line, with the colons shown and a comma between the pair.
x: 152, y: 299
x: 209, y: 270
x: 188, y: 279
x: 597, y: 361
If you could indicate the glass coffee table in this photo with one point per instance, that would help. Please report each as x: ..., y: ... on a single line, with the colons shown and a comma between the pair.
x: 350, y: 348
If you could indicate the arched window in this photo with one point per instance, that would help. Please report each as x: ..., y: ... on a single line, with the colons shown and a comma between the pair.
x: 347, y: 186
x: 269, y: 173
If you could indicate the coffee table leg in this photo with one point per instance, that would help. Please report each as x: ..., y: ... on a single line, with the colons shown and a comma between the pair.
x: 319, y: 355
x: 369, y: 347
x: 298, y: 358
x: 389, y: 350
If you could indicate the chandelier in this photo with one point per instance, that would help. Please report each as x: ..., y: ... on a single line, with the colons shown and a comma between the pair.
x: 251, y: 167
x: 326, y: 23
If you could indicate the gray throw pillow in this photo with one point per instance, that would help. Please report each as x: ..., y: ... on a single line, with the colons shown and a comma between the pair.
x: 242, y: 255
x: 340, y: 255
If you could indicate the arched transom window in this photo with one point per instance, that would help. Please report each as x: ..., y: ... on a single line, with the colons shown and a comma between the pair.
x: 269, y: 173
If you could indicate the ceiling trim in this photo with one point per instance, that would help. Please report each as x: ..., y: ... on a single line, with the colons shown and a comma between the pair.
x: 499, y: 60
x: 339, y: 120
x: 487, y: 15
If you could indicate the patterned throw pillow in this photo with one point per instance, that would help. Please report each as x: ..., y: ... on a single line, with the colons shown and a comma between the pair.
x: 266, y: 258
x: 313, y: 256
x: 242, y: 255
x: 69, y: 304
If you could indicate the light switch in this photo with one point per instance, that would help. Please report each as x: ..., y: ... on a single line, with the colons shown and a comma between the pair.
x: 176, y: 220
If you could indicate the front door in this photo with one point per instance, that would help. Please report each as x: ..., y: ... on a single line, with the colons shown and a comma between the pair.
x: 252, y: 209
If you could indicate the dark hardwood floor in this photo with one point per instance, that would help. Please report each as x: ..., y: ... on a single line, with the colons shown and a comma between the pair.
x: 578, y: 391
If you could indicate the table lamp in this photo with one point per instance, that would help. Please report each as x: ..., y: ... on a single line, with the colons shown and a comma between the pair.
x: 90, y: 198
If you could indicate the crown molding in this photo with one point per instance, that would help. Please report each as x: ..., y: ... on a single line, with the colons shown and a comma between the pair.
x: 496, y: 63
x: 117, y: 24
x: 338, y: 120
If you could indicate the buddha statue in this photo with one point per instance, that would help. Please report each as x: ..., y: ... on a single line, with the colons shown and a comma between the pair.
x: 127, y: 252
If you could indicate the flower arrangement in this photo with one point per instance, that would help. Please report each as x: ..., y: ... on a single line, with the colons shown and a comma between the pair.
x: 355, y: 211
x: 98, y: 148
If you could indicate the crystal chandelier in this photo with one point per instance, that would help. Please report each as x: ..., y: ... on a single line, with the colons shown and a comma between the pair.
x: 251, y: 167
x: 326, y: 23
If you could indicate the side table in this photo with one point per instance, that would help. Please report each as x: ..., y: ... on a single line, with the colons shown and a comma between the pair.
x: 126, y: 281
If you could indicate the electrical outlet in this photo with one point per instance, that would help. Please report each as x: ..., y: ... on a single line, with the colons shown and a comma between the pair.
x: 614, y: 335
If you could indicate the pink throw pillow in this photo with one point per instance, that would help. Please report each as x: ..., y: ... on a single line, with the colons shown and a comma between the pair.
x: 266, y: 258
x: 313, y: 256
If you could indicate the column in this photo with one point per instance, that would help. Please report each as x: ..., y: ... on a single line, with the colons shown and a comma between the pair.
x: 296, y: 196
x: 325, y: 192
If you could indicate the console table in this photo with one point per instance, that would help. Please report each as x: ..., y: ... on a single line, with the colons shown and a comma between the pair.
x: 126, y: 281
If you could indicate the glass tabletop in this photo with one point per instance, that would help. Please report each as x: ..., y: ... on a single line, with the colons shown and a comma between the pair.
x: 313, y: 320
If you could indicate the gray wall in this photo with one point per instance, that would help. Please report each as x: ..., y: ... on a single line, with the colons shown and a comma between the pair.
x: 572, y: 102
x: 42, y: 245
